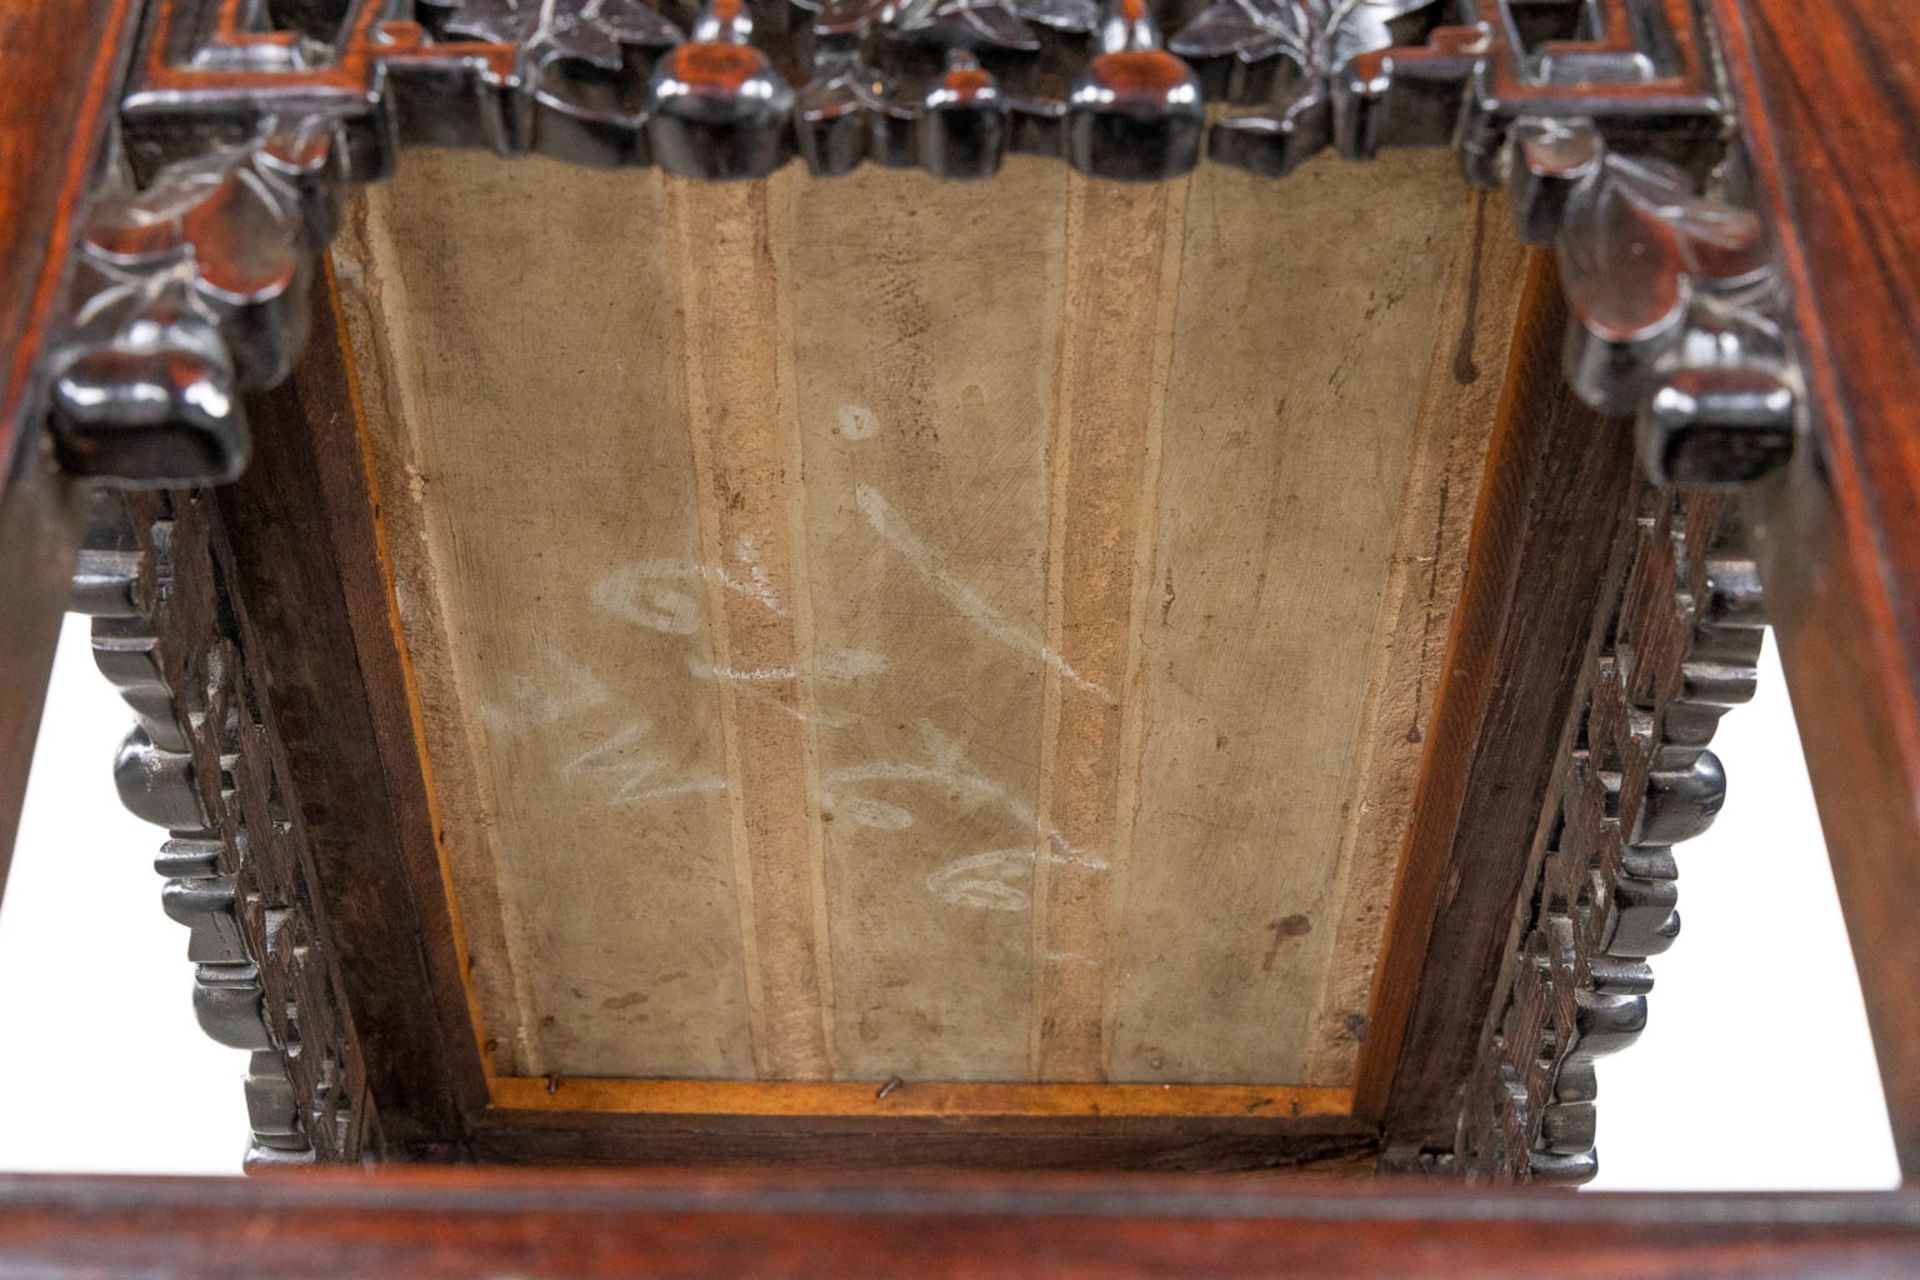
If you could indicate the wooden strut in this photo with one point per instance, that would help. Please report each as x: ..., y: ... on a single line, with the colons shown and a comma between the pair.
x: 433, y: 1223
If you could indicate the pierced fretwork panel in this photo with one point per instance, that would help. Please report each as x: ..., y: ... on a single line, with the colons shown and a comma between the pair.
x: 736, y: 89
x: 202, y: 764
x: 1601, y: 116
x: 1677, y: 652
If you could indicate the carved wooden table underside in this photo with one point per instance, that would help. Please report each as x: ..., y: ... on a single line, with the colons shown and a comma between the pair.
x: 1603, y: 120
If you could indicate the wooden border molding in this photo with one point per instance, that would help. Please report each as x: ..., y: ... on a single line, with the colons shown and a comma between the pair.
x: 437, y: 1224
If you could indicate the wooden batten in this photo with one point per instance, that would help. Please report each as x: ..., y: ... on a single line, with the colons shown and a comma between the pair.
x: 744, y: 436
x: 1248, y: 1105
x: 888, y: 629
x: 1103, y: 472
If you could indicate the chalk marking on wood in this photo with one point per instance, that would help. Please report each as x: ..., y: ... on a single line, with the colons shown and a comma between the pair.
x: 897, y: 534
x: 565, y: 689
x: 753, y: 686
x: 756, y: 585
x: 950, y: 768
x: 848, y: 664
x: 638, y: 593
x: 641, y: 593
x: 857, y: 422
x: 613, y: 756
x: 986, y: 889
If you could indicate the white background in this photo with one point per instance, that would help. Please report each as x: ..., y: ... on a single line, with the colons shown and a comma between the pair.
x: 1756, y: 1070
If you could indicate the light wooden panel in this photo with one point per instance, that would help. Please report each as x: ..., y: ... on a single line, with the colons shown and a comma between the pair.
x: 883, y: 627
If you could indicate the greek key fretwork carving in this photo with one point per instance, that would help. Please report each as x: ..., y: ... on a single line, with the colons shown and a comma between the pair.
x: 201, y: 763
x: 1679, y: 650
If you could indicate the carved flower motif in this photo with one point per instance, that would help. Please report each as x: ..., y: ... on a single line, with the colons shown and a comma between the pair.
x: 1308, y: 33
x: 1001, y: 24
x: 596, y: 31
x: 592, y: 31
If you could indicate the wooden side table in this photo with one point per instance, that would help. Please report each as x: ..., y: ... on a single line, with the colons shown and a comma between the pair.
x: 979, y: 585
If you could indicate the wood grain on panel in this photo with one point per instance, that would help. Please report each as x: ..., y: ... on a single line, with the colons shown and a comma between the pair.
x: 1322, y: 456
x: 1548, y: 521
x: 732, y: 346
x: 1473, y: 334
x: 1103, y: 464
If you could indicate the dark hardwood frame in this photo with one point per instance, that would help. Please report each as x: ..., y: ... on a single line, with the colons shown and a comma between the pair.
x: 464, y: 1222
x: 1834, y: 531
x: 1537, y: 583
x: 360, y: 778
x: 1839, y: 532
x: 64, y: 65
x: 311, y: 588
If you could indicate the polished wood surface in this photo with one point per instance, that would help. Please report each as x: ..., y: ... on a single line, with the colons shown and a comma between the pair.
x: 1831, y: 97
x: 62, y: 59
x: 425, y: 1224
x: 1830, y: 106
x: 59, y: 62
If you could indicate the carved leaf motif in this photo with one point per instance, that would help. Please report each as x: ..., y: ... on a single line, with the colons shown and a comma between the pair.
x: 1354, y: 27
x: 1077, y: 16
x: 1722, y: 242
x: 597, y: 31
x: 492, y: 21
x: 213, y: 236
x: 1252, y: 30
x: 184, y: 294
x: 1640, y: 236
x: 968, y: 23
x: 1328, y: 32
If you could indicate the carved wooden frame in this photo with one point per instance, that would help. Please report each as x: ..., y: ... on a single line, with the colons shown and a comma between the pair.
x: 1678, y: 647
x: 1615, y: 146
x: 190, y: 294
